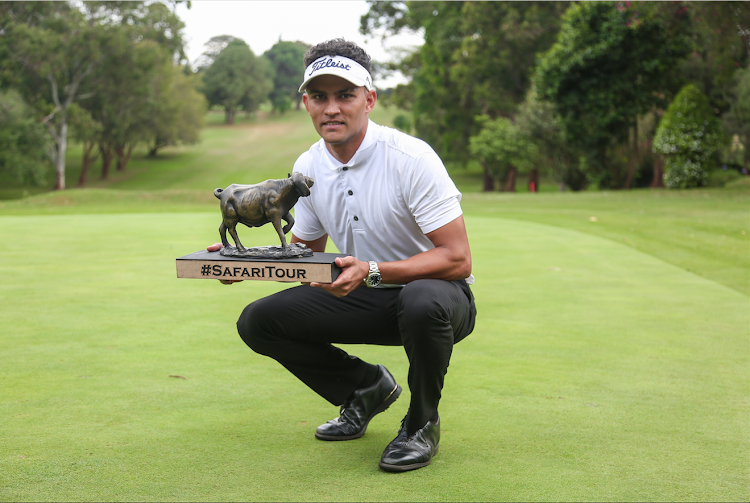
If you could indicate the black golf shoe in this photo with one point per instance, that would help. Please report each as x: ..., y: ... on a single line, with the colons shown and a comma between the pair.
x: 363, y: 405
x: 409, y: 452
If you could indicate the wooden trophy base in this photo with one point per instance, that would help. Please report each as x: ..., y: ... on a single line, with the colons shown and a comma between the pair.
x: 319, y: 268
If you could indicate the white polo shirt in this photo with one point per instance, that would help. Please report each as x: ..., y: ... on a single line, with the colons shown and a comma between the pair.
x: 379, y: 205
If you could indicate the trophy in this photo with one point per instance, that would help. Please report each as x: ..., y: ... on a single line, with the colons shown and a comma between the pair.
x: 254, y: 206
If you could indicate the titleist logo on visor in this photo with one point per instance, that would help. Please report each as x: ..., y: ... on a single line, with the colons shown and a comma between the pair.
x: 339, y: 66
x: 328, y: 63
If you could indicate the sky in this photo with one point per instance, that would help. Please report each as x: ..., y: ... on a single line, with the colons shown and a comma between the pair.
x: 262, y: 23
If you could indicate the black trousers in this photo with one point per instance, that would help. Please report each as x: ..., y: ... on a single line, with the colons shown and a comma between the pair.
x: 297, y: 327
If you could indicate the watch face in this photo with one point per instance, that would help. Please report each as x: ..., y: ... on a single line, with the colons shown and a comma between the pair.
x: 373, y: 279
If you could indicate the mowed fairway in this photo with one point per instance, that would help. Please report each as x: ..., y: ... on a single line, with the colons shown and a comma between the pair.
x: 599, y: 369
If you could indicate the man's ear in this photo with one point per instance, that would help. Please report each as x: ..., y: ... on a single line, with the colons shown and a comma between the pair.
x: 370, y: 98
x: 305, y: 99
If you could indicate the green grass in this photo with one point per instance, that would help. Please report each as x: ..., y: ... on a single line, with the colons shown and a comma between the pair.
x: 702, y: 231
x: 607, y: 363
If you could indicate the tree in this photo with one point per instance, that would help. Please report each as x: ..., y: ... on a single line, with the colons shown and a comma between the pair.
x: 179, y: 111
x: 540, y: 122
x: 497, y: 54
x: 476, y: 59
x: 443, y: 112
x: 119, y: 92
x: 737, y: 120
x: 143, y: 43
x: 402, y: 123
x: 237, y: 78
x: 499, y: 48
x: 136, y: 103
x: 688, y: 136
x: 85, y: 130
x: 389, y: 18
x: 213, y: 47
x: 257, y: 93
x: 610, y: 62
x: 720, y: 45
x: 503, y: 150
x: 286, y: 61
x: 24, y: 142
x: 57, y: 50
x: 88, y: 54
x: 192, y: 111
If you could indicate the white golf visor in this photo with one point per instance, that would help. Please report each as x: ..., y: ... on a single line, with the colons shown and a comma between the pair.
x: 341, y: 67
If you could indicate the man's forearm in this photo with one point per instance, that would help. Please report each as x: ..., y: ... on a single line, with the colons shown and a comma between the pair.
x: 449, y: 260
x: 438, y: 263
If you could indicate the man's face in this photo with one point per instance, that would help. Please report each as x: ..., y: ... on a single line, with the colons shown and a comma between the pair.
x: 339, y: 110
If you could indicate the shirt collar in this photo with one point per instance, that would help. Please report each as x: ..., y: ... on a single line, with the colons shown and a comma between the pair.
x: 365, y: 150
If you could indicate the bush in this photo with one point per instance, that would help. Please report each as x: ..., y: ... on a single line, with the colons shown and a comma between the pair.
x: 281, y: 104
x: 501, y: 146
x: 688, y: 135
x: 24, y: 142
x: 681, y: 172
x: 721, y: 177
x: 402, y: 123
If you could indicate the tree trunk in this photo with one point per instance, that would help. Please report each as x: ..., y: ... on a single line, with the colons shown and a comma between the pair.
x: 510, y: 181
x: 123, y: 156
x: 62, y: 147
x: 61, y: 107
x: 534, y: 180
x: 657, y: 181
x: 633, y: 157
x: 119, y: 155
x: 155, y: 148
x: 107, y: 154
x: 86, y: 164
x: 61, y: 138
x: 127, y: 156
x: 229, y: 116
x: 489, y: 182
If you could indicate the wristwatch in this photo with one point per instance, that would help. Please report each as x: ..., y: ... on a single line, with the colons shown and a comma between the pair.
x: 373, y: 278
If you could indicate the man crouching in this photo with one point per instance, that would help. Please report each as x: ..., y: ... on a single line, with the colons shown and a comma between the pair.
x: 385, y: 199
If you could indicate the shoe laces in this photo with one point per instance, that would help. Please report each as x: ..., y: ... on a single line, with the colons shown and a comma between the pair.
x: 345, y: 406
x: 407, y: 437
x: 403, y: 423
x: 404, y: 431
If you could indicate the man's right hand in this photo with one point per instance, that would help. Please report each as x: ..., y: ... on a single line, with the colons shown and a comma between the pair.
x: 216, y: 247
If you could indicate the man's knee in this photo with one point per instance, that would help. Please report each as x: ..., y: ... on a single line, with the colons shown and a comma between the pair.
x: 421, y: 305
x: 430, y: 308
x: 255, y: 326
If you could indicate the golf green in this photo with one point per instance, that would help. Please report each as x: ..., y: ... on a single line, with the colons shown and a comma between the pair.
x: 595, y: 372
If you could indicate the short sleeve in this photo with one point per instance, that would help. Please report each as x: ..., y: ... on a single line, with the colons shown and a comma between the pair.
x: 307, y: 226
x: 430, y: 193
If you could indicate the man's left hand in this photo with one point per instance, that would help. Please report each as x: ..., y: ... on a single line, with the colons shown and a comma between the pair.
x: 352, y: 276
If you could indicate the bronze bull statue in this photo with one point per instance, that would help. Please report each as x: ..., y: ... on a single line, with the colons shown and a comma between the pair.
x: 256, y: 205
